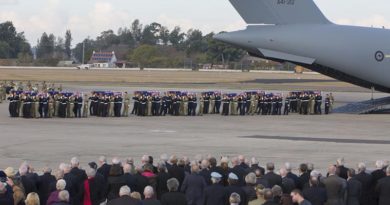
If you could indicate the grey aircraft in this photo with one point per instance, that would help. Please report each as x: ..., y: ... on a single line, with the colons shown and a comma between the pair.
x: 296, y: 31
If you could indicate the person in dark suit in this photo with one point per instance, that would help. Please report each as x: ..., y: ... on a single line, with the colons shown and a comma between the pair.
x: 161, y: 180
x: 44, y: 183
x: 128, y: 178
x: 79, y: 177
x: 260, y: 178
x: 272, y: 178
x: 173, y: 197
x: 383, y: 189
x: 28, y: 185
x: 288, y: 184
x: 215, y: 194
x: 366, y: 180
x: 149, y: 197
x: 193, y: 186
x: 234, y: 187
x: 104, y: 168
x: 290, y: 174
x: 176, y: 172
x: 250, y: 187
x: 91, y: 190
x: 315, y: 194
x: 335, y: 187
x: 114, y: 182
x: 124, y: 198
x: 6, y: 197
x: 304, y: 176
x: 354, y: 189
x: 205, y: 172
x: 255, y: 165
x: 269, y: 197
x: 239, y: 171
x: 342, y: 171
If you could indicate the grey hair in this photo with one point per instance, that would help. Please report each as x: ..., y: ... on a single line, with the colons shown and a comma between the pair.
x: 379, y: 164
x: 205, y: 164
x: 288, y: 166
x: 340, y: 161
x: 361, y: 167
x: 388, y: 170
x: 23, y: 170
x: 74, y: 162
x: 164, y: 157
x: 90, y: 172
x: 277, y: 190
x: 61, y: 185
x: 254, y: 161
x: 270, y: 166
x: 103, y: 159
x: 59, y: 174
x: 63, y: 196
x: 172, y: 184
x: 127, y: 168
x: 47, y: 170
x: 250, y: 178
x: 124, y: 191
x: 235, y: 198
x: 148, y: 191
x: 116, y: 160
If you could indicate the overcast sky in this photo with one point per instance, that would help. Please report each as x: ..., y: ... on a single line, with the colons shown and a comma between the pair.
x: 89, y: 17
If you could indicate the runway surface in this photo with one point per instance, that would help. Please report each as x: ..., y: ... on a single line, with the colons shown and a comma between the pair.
x: 294, y: 138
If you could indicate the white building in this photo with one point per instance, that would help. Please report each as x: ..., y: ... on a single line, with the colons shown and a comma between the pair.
x: 103, y: 59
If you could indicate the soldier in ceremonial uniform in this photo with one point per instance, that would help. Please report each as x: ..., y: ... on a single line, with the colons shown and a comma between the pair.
x: 149, y: 106
x: 27, y: 104
x: 77, y: 106
x: 43, y: 106
x: 286, y: 105
x: 212, y: 104
x: 142, y: 106
x: 111, y: 106
x: 185, y: 105
x: 206, y: 101
x: 12, y: 108
x: 318, y: 104
x: 71, y: 107
x: 225, y: 105
x: 136, y: 108
x: 218, y: 101
x: 164, y: 105
x: 156, y: 105
x: 51, y: 104
x: 117, y: 105
x: 201, y: 105
x: 85, y: 106
x: 327, y: 104
x: 311, y: 104
x: 126, y: 105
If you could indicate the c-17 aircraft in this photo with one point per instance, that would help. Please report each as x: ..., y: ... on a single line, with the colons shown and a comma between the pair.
x: 296, y: 31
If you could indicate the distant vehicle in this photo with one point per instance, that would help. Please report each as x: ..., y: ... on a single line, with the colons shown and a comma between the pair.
x: 84, y: 66
x: 296, y: 31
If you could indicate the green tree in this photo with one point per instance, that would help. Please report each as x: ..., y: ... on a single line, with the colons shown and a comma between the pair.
x: 176, y: 37
x: 164, y: 35
x: 136, y: 31
x: 143, y: 55
x: 149, y: 34
x: 219, y: 52
x: 5, y: 50
x: 68, y: 44
x: 16, y: 41
x: 195, y: 43
x: 46, y: 46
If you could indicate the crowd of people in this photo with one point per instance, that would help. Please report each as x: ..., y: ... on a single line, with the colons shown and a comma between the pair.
x: 50, y: 102
x: 179, y: 181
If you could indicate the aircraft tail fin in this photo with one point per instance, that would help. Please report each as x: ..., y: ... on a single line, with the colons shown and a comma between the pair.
x: 279, y: 12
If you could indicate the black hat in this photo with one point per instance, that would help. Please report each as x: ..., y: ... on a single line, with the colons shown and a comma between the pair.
x: 93, y: 165
x: 3, y: 177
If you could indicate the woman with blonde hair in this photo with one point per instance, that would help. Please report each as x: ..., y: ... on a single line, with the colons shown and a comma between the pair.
x: 32, y: 199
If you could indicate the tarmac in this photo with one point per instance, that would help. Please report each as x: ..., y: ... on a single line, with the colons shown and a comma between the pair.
x: 294, y: 138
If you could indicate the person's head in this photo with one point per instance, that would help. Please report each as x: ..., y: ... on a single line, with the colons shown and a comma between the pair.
x: 172, y: 184
x: 127, y: 168
x: 340, y: 161
x: 233, y: 179
x: 241, y: 158
x: 288, y: 166
x: 91, y: 173
x: 332, y: 170
x: 313, y: 181
x: 115, y: 170
x: 310, y: 167
x: 32, y: 199
x: 136, y: 195
x: 65, y: 167
x: 216, y: 177
x: 173, y: 159
x: 46, y: 170
x: 164, y: 158
x: 61, y: 185
x: 116, y: 161
x: 260, y: 191
x: 268, y: 195
x: 388, y: 171
x: 194, y: 168
x: 283, y: 172
x: 250, y: 179
x: 379, y: 164
x: 361, y: 167
x: 23, y: 170
x: 148, y: 192
x: 74, y: 162
x: 63, y: 196
x: 93, y: 165
x: 235, y: 161
x: 234, y: 199
x: 303, y: 168
x: 351, y: 173
x: 297, y: 196
x: 145, y: 159
x: 213, y: 161
x: 205, y: 164
x: 161, y: 167
x: 277, y: 190
x: 124, y: 191
x: 270, y: 166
